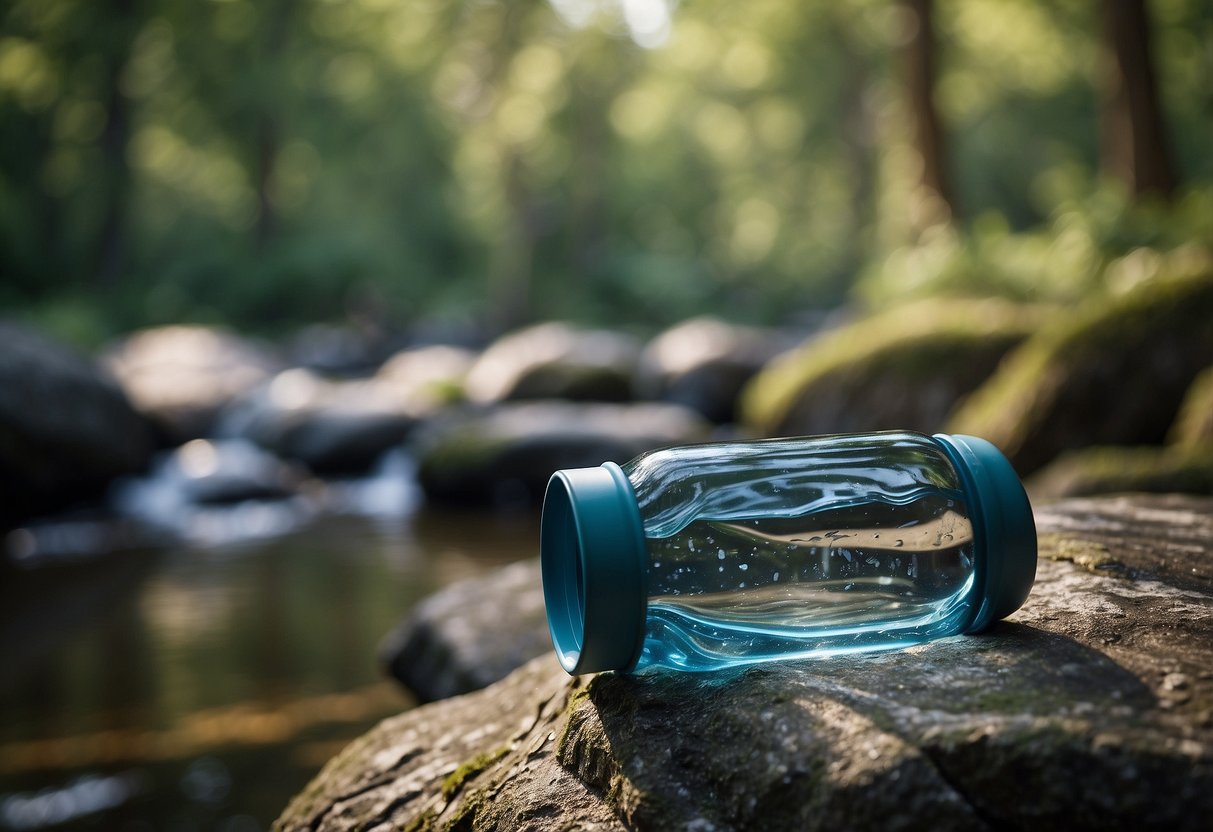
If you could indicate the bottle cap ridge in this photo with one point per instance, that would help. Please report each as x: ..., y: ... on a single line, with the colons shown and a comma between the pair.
x: 1002, y: 520
x: 593, y: 562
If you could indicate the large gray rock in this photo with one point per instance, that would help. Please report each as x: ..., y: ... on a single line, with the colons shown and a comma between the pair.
x: 504, y: 455
x: 181, y: 377
x: 66, y: 429
x: 471, y: 634
x: 704, y: 363
x: 1092, y: 708
x: 555, y: 361
x: 332, y: 427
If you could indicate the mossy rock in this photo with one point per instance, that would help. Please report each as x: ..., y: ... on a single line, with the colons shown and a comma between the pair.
x: 1091, y: 709
x: 902, y: 369
x: 1114, y: 373
x: 1194, y: 424
x: 1183, y: 469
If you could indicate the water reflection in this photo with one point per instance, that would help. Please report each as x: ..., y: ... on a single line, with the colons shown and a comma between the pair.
x: 212, y: 682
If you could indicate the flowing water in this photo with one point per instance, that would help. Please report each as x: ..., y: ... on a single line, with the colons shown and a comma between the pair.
x: 200, y: 688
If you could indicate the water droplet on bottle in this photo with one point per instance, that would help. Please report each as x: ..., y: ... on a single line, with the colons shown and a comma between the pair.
x: 897, y: 543
x: 720, y: 555
x: 656, y: 564
x: 775, y: 577
x: 743, y: 566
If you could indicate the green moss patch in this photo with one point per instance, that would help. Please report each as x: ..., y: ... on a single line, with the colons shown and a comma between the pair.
x: 469, y: 769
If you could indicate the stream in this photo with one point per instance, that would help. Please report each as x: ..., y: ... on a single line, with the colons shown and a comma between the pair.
x: 201, y: 687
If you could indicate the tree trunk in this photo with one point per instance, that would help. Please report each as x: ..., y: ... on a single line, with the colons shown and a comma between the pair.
x: 1133, y: 142
x: 111, y: 247
x: 934, y: 203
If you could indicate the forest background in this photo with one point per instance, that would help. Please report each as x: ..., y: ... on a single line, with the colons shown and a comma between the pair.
x: 481, y: 164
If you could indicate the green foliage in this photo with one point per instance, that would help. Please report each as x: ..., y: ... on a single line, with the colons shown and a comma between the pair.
x: 268, y: 163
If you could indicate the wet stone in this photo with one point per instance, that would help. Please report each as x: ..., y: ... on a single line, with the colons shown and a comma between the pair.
x: 1087, y: 709
x: 470, y: 634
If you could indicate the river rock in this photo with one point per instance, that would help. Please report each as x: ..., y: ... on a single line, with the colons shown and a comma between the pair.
x: 1194, y: 424
x: 704, y: 363
x: 1091, y: 708
x: 66, y: 429
x: 471, y: 634
x: 504, y: 455
x: 555, y: 361
x: 1113, y: 373
x: 332, y: 427
x: 904, y: 369
x: 428, y: 377
x: 1186, y: 469
x: 181, y: 377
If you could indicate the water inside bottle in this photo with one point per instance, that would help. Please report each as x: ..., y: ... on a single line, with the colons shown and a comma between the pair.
x: 868, y: 575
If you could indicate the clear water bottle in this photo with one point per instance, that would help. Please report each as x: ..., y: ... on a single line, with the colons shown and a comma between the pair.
x: 710, y: 556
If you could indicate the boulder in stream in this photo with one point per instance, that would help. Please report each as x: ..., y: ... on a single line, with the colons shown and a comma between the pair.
x: 182, y: 376
x: 1090, y: 709
x: 66, y: 429
x: 332, y: 427
x: 470, y: 634
x: 505, y: 454
x: 555, y: 361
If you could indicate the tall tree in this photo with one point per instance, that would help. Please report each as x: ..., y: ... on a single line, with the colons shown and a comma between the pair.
x: 122, y: 21
x: 919, y: 65
x: 1133, y: 144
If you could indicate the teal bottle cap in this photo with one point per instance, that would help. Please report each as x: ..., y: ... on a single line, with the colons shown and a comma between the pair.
x: 592, y: 551
x: 1003, y: 524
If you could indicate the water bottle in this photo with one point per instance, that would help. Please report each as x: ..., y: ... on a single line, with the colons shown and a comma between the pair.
x: 716, y: 555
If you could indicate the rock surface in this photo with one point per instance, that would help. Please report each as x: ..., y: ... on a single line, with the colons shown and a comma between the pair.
x: 1092, y: 708
x: 1114, y: 373
x: 704, y: 363
x: 470, y: 634
x: 504, y: 455
x: 66, y: 429
x: 903, y: 369
x: 555, y: 361
x: 181, y: 377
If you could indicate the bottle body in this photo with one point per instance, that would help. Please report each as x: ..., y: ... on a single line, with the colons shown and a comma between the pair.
x: 710, y: 556
x: 801, y: 548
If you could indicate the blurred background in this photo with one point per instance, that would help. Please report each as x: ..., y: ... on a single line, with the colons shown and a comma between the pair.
x: 301, y: 301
